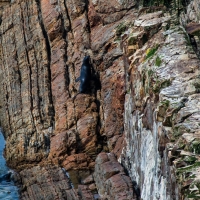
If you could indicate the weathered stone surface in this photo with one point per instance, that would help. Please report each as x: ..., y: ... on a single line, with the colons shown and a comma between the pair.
x: 138, y: 61
x: 162, y: 104
x: 110, y: 179
x: 42, y: 47
x: 84, y: 193
x: 78, y: 161
x: 43, y: 44
x: 26, y: 101
x: 46, y: 182
x: 193, y: 28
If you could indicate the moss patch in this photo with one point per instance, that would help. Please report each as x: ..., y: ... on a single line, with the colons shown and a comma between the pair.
x: 159, y: 84
x: 190, y: 159
x: 197, y: 85
x: 195, y: 147
x: 120, y: 29
x: 189, y: 168
x: 151, y: 52
x: 158, y: 61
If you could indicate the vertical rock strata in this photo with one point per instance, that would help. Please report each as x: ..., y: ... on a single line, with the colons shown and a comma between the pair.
x: 26, y: 101
x: 43, y: 44
x: 47, y: 183
x: 145, y: 65
x: 162, y: 109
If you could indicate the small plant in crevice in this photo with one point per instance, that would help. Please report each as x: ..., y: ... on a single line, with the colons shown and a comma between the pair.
x: 150, y: 52
x: 158, y: 61
x: 159, y: 84
x: 165, y: 103
x: 120, y: 29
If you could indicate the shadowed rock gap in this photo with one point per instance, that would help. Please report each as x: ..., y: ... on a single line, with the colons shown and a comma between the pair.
x: 67, y: 13
x: 8, y: 113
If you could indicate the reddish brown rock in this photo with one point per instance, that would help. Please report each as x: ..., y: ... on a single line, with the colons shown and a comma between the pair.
x: 26, y: 100
x: 46, y: 183
x: 88, y: 180
x: 110, y: 179
x: 38, y: 114
x: 77, y: 161
x: 42, y: 47
x: 84, y: 193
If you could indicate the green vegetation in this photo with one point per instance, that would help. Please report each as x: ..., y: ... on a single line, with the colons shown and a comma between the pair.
x: 165, y: 103
x: 189, y: 168
x: 159, y: 84
x: 193, y: 191
x: 190, y: 159
x: 158, y: 61
x: 150, y: 72
x: 157, y: 3
x: 151, y: 82
x: 193, y: 196
x: 120, y: 29
x: 197, y: 85
x: 195, y: 147
x: 176, y: 132
x: 187, y: 39
x: 132, y: 40
x: 151, y: 52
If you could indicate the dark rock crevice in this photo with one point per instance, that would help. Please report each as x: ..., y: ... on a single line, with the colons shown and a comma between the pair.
x: 48, y: 51
x: 8, y: 113
x: 30, y: 79
x: 64, y: 36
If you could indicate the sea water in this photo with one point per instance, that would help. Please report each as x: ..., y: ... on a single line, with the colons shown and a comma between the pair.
x: 7, y: 189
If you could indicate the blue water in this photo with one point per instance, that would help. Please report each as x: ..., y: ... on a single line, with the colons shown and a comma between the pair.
x: 7, y: 189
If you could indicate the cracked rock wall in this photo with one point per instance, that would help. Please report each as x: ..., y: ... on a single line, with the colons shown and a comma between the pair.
x: 26, y: 99
x: 162, y: 108
x: 148, y: 103
x: 43, y: 44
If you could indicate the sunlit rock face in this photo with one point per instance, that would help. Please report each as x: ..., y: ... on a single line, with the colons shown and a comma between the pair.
x: 26, y: 100
x: 43, y: 44
x: 162, y: 110
x: 147, y: 103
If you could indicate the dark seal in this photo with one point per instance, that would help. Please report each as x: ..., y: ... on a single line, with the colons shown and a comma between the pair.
x: 89, y: 79
x: 85, y: 76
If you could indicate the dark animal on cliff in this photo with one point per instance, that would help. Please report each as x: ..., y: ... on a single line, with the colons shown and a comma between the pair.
x: 89, y: 79
x: 85, y: 76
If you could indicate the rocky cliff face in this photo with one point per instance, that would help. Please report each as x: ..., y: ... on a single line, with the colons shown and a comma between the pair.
x: 145, y: 112
x: 162, y: 106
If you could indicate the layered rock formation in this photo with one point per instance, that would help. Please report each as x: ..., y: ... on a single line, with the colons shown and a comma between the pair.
x: 147, y: 102
x: 162, y: 109
x: 43, y: 44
